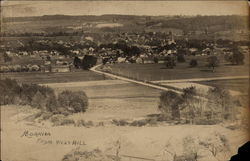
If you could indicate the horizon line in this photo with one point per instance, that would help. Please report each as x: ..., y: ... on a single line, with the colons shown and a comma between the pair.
x: 180, y: 15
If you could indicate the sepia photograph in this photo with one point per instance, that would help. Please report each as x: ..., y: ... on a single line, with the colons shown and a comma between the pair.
x: 117, y: 80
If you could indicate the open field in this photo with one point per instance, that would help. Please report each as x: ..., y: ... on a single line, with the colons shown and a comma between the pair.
x: 114, y: 99
x: 153, y: 72
x: 41, y: 78
x: 108, y: 99
x: 241, y: 85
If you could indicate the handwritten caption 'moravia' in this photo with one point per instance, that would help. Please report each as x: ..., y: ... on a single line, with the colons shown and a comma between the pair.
x: 32, y: 134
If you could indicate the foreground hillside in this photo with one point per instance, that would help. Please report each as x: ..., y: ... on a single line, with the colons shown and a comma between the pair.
x: 153, y: 142
x: 121, y: 123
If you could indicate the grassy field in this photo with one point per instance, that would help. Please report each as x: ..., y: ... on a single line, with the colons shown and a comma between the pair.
x: 40, y: 78
x: 114, y: 98
x: 241, y: 85
x: 152, y: 72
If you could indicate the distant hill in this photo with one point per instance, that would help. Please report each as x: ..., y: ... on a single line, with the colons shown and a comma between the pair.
x: 219, y: 23
x: 65, y: 17
x: 179, y: 22
x: 128, y: 23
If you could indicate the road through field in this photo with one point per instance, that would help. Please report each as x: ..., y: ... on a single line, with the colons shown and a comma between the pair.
x: 201, y: 79
x: 131, y: 80
x: 165, y: 82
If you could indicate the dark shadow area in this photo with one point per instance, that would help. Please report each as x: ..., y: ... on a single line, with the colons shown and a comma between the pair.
x: 243, y: 153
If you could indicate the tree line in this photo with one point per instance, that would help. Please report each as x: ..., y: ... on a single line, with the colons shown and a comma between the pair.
x: 42, y: 97
x: 191, y: 107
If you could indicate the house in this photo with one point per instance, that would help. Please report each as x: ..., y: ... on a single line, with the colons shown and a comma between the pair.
x: 121, y: 60
x: 206, y: 51
x: 76, y: 52
x: 139, y: 60
x: 193, y: 50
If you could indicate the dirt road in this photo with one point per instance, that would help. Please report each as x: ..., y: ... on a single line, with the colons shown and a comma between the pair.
x: 201, y: 79
x: 132, y: 80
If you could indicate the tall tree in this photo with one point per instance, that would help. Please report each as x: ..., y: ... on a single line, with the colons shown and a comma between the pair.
x: 213, y: 62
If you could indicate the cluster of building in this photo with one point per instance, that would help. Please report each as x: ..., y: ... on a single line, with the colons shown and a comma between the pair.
x: 153, y: 47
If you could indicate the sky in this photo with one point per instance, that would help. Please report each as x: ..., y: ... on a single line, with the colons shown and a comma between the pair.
x: 152, y: 8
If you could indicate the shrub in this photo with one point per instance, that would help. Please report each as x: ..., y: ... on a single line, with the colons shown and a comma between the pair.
x: 67, y: 122
x: 120, y: 122
x: 181, y: 58
x: 205, y: 121
x: 73, y: 101
x: 80, y: 123
x: 35, y: 116
x: 169, y: 104
x: 57, y: 117
x: 16, y: 68
x: 152, y: 121
x: 28, y: 91
x: 235, y: 58
x: 233, y: 127
x: 190, y: 103
x: 224, y: 103
x: 63, y: 112
x: 84, y: 123
x: 193, y: 63
x: 63, y: 122
x: 213, y: 62
x: 77, y: 62
x: 93, y: 155
x: 100, y: 124
x: 189, y: 157
x: 139, y: 123
x: 46, y: 115
x: 35, y: 68
x: 10, y: 91
x: 24, y: 68
x: 105, y: 60
x: 89, y: 123
x: 38, y: 100
x: 42, y: 97
x: 4, y: 69
x: 190, y: 148
x: 59, y: 120
x: 156, y: 60
x: 170, y: 62
x: 7, y: 58
x: 162, y: 118
x: 51, y: 102
x: 216, y: 144
x: 88, y: 62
